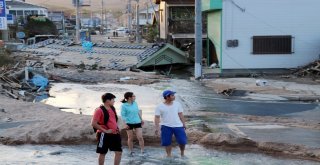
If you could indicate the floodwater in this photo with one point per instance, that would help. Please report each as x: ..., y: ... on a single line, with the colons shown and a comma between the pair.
x: 85, y: 155
x: 79, y: 98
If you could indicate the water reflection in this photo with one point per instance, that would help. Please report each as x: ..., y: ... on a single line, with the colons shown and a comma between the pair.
x: 79, y: 98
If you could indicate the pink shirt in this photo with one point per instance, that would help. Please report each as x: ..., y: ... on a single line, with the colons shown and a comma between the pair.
x: 112, y: 122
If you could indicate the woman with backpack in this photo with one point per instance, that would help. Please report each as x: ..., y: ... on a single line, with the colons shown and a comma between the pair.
x: 131, y: 116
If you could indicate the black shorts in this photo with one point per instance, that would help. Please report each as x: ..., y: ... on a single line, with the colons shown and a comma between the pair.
x: 107, y: 142
x: 134, y: 126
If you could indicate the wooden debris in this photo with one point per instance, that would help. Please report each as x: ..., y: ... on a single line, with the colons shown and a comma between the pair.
x: 312, y: 69
x: 11, y: 94
x: 10, y: 82
x: 228, y: 92
x: 63, y: 65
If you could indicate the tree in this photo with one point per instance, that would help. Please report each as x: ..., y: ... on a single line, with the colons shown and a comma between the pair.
x: 152, y: 33
x: 39, y: 25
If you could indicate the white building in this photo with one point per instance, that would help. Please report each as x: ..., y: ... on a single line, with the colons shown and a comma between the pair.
x: 264, y: 34
x: 146, y: 15
x: 19, y: 9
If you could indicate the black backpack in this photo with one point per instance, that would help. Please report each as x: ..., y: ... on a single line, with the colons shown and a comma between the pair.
x: 106, y: 116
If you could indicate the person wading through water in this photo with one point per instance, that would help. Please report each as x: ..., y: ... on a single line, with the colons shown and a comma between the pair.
x: 169, y: 115
x: 108, y: 134
x: 132, y: 117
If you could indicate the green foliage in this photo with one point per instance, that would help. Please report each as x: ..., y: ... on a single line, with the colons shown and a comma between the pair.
x: 152, y: 33
x: 38, y: 25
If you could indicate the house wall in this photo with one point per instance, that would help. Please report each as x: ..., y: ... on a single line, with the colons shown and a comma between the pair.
x: 18, y: 12
x: 214, y: 31
x: 243, y: 19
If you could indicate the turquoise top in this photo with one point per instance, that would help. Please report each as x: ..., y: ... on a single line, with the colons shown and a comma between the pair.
x: 130, y: 113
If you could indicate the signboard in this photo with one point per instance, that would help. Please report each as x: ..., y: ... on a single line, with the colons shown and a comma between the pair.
x: 21, y: 35
x: 10, y: 19
x: 85, y: 36
x: 3, y: 18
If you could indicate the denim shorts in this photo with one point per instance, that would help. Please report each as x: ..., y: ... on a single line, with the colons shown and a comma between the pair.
x: 178, y: 132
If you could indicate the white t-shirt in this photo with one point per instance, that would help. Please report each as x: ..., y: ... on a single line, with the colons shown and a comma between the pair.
x: 169, y: 114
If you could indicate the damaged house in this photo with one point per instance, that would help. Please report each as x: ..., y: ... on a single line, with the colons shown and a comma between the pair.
x: 176, y: 20
x: 260, y: 35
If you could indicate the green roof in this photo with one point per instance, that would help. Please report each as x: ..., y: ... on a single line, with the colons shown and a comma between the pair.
x: 167, y: 55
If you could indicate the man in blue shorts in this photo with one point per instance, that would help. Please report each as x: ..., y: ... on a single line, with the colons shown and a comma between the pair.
x: 170, y: 113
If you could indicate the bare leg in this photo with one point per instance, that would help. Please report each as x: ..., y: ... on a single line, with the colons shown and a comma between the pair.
x: 130, y: 139
x: 101, y: 159
x: 168, y: 150
x: 117, y: 157
x: 182, y: 148
x: 140, y: 138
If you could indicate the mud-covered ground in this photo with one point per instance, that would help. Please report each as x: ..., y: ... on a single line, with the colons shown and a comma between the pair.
x: 38, y: 123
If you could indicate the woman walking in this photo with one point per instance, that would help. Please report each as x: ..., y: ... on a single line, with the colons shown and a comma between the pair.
x: 131, y: 116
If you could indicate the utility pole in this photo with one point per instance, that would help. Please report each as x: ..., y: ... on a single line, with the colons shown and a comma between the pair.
x: 102, y: 17
x: 91, y: 16
x: 138, y: 37
x: 129, y: 15
x: 77, y: 22
x: 198, y: 40
x: 106, y: 17
x: 147, y: 13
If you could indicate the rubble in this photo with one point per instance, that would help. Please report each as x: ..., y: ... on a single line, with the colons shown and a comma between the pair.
x: 312, y: 69
x: 227, y: 92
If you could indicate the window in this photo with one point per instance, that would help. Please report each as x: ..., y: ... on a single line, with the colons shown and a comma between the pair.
x: 13, y: 12
x: 182, y: 13
x: 20, y: 13
x: 34, y: 12
x: 272, y: 45
x: 27, y: 12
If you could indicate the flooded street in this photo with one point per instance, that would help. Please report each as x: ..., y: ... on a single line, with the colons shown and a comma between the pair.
x: 195, y: 98
x: 85, y: 155
x: 83, y: 99
x: 78, y: 98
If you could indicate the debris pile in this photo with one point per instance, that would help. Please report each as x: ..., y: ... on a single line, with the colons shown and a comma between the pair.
x: 312, y: 69
x: 25, y: 81
x: 228, y: 92
x: 121, y: 46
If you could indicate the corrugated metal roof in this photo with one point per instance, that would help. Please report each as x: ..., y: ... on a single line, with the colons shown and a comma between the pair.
x: 18, y: 4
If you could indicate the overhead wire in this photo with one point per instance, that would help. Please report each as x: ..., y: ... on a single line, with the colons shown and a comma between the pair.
x: 259, y: 19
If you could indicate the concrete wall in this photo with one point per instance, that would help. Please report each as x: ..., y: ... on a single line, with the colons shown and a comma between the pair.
x: 243, y: 19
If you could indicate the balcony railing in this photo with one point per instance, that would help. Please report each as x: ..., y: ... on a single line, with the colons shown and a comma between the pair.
x: 184, y: 26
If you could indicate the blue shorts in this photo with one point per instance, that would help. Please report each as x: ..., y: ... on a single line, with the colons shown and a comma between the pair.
x: 178, y: 132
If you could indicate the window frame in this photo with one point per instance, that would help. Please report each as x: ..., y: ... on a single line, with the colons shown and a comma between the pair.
x: 270, y: 45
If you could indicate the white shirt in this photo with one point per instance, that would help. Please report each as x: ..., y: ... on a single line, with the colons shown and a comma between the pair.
x: 169, y: 114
